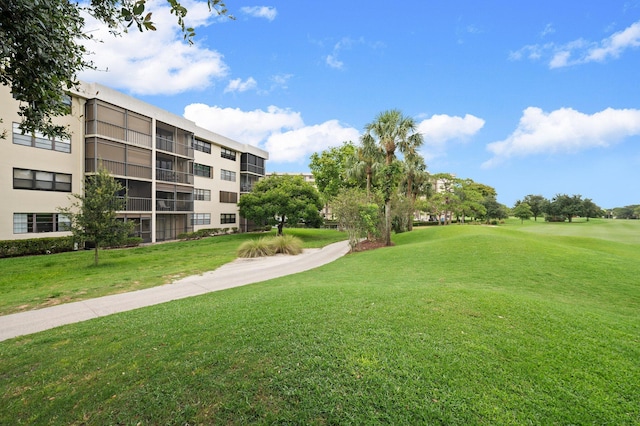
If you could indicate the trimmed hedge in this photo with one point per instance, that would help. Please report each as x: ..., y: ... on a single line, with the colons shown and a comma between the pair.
x: 34, y: 246
x: 50, y: 245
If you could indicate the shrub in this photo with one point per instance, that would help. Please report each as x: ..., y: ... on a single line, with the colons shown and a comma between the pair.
x: 33, y: 246
x: 286, y: 244
x: 256, y: 248
x: 268, y: 246
x: 131, y: 242
x: 188, y: 236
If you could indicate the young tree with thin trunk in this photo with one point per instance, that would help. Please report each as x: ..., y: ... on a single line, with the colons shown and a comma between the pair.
x: 93, y: 216
x: 416, y: 178
x: 522, y: 211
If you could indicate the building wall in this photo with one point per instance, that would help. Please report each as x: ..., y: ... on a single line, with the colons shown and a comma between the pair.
x: 149, y: 150
x: 16, y: 156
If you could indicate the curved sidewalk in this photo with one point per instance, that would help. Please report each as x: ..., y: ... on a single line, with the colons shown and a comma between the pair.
x: 233, y: 274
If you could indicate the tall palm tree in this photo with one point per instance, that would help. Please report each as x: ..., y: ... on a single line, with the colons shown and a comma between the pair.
x: 392, y: 130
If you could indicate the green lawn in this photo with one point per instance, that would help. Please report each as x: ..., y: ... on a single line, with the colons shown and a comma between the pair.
x: 38, y: 281
x: 453, y: 325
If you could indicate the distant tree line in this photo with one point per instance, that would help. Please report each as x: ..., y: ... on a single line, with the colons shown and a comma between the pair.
x: 626, y: 212
x: 560, y: 208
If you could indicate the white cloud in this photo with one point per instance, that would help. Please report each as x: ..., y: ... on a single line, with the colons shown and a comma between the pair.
x: 581, y: 51
x: 333, y: 62
x: 295, y: 145
x: 282, y: 132
x: 548, y: 30
x: 441, y: 128
x: 237, y: 85
x: 266, y: 12
x: 613, y: 46
x: 346, y: 43
x: 154, y: 62
x: 564, y: 131
x: 280, y: 80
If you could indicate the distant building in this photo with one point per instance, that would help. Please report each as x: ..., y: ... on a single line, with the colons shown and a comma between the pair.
x: 178, y: 177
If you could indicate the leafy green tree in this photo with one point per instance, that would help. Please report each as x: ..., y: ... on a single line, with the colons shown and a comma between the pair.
x: 281, y: 198
x: 445, y: 202
x: 471, y: 194
x: 494, y: 209
x: 329, y: 169
x: 435, y: 205
x: 93, y: 216
x: 41, y: 49
x: 538, y: 205
x: 356, y: 214
x: 627, y: 212
x: 563, y: 206
x: 522, y: 211
x: 392, y: 130
x: 590, y: 209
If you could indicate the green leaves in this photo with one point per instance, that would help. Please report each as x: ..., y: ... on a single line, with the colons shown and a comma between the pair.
x: 280, y: 198
x: 41, y: 55
x: 41, y: 49
x: 93, y: 216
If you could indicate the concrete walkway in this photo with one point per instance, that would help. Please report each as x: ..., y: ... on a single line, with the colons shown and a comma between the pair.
x: 233, y: 274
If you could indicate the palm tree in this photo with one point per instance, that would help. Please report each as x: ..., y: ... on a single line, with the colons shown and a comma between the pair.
x: 416, y: 178
x: 391, y: 130
x: 366, y: 162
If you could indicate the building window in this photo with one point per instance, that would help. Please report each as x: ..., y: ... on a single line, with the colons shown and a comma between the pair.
x: 226, y: 218
x: 38, y: 140
x: 39, y: 222
x: 228, y: 154
x: 202, y: 170
x: 227, y: 175
x: 66, y: 100
x: 228, y: 197
x: 42, y: 181
x: 201, y: 194
x: 201, y: 219
x: 203, y: 146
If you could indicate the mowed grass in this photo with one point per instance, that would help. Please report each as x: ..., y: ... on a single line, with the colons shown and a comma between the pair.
x: 453, y: 325
x: 39, y: 281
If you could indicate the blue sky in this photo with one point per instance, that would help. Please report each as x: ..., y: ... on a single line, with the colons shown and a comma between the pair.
x: 528, y: 97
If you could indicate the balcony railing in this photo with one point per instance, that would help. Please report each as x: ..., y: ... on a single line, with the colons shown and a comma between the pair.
x: 252, y: 168
x: 174, y: 205
x: 118, y: 168
x: 169, y: 145
x: 174, y: 176
x: 138, y: 204
x: 113, y: 131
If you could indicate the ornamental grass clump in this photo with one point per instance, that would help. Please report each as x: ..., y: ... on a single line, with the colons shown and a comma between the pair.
x: 286, y: 244
x: 256, y: 248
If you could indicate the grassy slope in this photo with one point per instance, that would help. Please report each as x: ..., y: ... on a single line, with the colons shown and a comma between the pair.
x: 453, y: 325
x: 40, y: 281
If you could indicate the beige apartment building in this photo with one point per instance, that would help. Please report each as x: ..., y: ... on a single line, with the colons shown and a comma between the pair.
x: 178, y: 177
